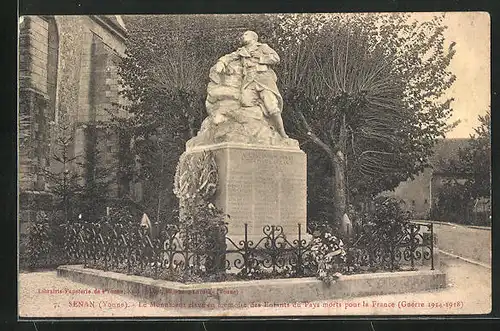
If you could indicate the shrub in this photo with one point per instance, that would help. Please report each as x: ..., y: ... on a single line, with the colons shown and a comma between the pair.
x: 38, y: 243
x: 328, y: 255
x: 379, y: 231
x: 201, y: 224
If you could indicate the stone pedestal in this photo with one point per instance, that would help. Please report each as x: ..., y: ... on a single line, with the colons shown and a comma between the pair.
x: 259, y: 186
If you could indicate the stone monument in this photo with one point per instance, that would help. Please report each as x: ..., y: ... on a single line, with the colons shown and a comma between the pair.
x: 261, y: 171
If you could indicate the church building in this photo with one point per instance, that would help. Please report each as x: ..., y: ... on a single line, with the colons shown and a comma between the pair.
x: 67, y: 67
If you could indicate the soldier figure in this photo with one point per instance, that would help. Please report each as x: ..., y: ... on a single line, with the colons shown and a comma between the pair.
x: 259, y: 80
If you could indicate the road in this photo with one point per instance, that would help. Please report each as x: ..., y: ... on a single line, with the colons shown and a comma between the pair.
x: 468, y: 284
x: 467, y: 242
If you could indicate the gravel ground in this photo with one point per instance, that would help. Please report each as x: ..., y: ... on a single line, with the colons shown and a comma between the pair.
x: 469, y: 287
x: 471, y: 243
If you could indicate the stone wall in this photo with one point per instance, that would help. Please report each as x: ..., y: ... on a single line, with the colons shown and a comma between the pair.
x: 104, y: 82
x: 33, y: 53
x: 34, y: 101
x: 71, y: 46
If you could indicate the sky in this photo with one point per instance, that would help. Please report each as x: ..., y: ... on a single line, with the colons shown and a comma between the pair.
x: 471, y: 65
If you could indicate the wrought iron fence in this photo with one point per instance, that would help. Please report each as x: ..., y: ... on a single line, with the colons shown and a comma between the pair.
x: 174, y: 255
x: 392, y: 246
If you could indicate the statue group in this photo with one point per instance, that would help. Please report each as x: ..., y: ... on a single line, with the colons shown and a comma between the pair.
x: 243, y: 102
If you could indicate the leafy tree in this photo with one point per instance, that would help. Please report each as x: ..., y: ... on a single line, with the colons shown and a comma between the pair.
x: 98, y: 175
x: 62, y: 176
x: 481, y: 151
x: 365, y: 92
x: 80, y: 186
x: 469, y: 176
x: 39, y: 244
x: 476, y: 160
x: 453, y: 203
x: 46, y: 235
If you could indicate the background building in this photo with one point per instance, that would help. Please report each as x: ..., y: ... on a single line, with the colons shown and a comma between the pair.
x: 422, y: 193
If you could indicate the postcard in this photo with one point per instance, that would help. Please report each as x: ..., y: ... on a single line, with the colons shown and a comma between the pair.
x: 254, y: 165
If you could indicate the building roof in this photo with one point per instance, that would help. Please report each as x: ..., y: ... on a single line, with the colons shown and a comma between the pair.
x: 117, y: 20
x: 113, y: 23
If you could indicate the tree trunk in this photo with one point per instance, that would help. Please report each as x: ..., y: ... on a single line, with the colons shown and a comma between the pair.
x: 339, y: 180
x: 339, y: 187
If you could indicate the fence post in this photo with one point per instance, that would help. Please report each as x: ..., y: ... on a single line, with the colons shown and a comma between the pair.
x: 154, y: 257
x: 413, y: 244
x: 129, y: 255
x: 300, y: 266
x: 274, y: 248
x: 432, y: 246
x: 392, y: 246
x: 220, y: 250
x: 186, y: 254
x: 83, y: 246
x: 245, y: 247
x: 106, y: 253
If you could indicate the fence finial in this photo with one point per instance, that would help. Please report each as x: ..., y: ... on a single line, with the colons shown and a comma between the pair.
x: 145, y: 222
